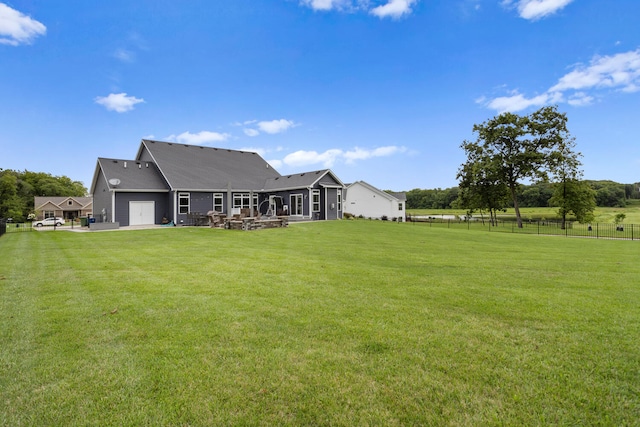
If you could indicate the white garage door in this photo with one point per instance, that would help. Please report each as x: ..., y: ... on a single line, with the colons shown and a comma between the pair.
x: 141, y: 213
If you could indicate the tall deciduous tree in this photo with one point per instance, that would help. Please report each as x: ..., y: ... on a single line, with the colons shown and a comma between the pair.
x: 520, y: 147
x: 481, y: 187
x: 571, y: 195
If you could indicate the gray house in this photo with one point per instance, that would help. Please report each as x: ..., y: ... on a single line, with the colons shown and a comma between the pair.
x: 169, y: 181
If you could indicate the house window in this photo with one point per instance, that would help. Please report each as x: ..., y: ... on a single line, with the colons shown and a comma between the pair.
x: 69, y: 202
x: 315, y: 200
x: 241, y: 200
x: 339, y: 200
x: 183, y: 203
x: 218, y: 199
x: 296, y: 204
x: 399, y: 206
x: 49, y: 214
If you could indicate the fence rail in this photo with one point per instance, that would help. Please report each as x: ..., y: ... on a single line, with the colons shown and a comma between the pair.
x: 571, y: 228
x: 13, y: 227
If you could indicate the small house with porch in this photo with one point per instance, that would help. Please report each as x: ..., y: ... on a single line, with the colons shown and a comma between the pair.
x: 62, y: 207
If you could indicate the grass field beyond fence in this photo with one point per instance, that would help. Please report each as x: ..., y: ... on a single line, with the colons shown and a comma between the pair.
x: 330, y: 323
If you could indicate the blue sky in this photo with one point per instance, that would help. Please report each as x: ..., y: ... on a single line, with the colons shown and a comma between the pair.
x: 383, y: 91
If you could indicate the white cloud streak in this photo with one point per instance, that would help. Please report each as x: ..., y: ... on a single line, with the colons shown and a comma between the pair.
x: 537, y: 9
x: 203, y: 137
x: 393, y: 9
x: 617, y: 72
x: 275, y: 126
x: 118, y: 102
x: 387, y: 9
x: 330, y: 157
x: 17, y: 28
x: 251, y: 132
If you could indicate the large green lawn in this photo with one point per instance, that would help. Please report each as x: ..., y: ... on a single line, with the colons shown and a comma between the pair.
x: 332, y: 323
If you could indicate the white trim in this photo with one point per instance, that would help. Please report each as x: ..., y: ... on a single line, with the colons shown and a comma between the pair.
x: 182, y: 194
x: 113, y: 206
x: 301, y: 214
x: 143, y: 211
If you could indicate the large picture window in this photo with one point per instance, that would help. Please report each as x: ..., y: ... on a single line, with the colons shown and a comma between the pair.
x: 315, y: 200
x: 183, y: 203
x: 241, y: 200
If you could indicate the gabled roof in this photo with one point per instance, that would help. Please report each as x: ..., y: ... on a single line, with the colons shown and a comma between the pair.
x: 60, y: 202
x: 130, y: 175
x: 390, y: 196
x: 322, y: 177
x: 193, y: 167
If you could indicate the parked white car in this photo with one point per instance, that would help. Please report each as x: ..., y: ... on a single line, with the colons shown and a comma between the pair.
x: 49, y: 221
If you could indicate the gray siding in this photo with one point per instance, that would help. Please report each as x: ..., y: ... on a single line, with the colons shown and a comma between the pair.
x: 122, y: 206
x: 198, y: 202
x: 101, y: 199
x: 332, y: 198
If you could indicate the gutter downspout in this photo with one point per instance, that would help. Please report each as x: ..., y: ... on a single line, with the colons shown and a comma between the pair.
x: 229, y: 200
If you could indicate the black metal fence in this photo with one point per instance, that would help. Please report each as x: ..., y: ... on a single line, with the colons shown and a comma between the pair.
x: 3, y: 226
x: 555, y: 228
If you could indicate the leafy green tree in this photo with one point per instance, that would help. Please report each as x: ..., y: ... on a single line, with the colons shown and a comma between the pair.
x: 574, y: 197
x: 536, y: 195
x: 481, y: 187
x: 18, y: 189
x: 520, y: 147
x: 619, y: 218
x: 571, y: 195
x: 609, y: 193
x: 10, y: 203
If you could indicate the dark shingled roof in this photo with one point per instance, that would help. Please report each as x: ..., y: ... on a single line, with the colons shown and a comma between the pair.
x: 302, y: 180
x: 194, y: 167
x: 136, y: 175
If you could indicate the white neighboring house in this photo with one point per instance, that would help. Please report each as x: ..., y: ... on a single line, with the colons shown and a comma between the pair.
x: 364, y: 199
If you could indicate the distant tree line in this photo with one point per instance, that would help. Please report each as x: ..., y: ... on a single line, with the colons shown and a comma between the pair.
x: 18, y: 189
x: 607, y: 193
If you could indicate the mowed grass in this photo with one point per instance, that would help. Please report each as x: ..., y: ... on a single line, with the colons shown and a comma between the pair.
x: 332, y: 323
x: 601, y: 214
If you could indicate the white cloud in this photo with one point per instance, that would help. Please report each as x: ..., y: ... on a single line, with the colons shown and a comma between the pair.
x: 329, y: 157
x: 363, y: 154
x: 536, y: 9
x: 275, y: 126
x: 321, y: 4
x: 124, y: 55
x: 304, y: 158
x: 620, y: 72
x: 17, y: 28
x: 251, y: 132
x: 393, y: 9
x: 388, y: 8
x: 517, y: 102
x: 276, y: 164
x: 203, y: 137
x: 118, y: 102
x: 580, y: 99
